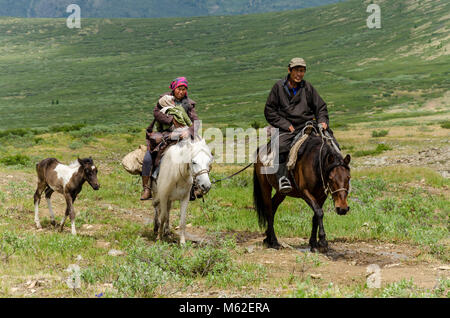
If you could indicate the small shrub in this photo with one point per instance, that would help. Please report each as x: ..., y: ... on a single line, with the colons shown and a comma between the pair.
x: 445, y: 124
x: 382, y: 147
x: 67, y: 127
x: 14, y: 132
x: 381, y: 133
x: 38, y: 140
x: 10, y: 243
x: 134, y: 130
x: 93, y: 131
x: 256, y: 124
x: 76, y: 145
x: 16, y: 160
x: 379, y: 149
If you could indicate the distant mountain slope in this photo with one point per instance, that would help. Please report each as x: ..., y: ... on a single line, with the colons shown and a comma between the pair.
x: 113, y: 70
x: 149, y: 8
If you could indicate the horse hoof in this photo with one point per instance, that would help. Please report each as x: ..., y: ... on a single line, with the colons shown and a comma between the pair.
x: 323, y: 247
x: 313, y: 245
x: 270, y: 244
x: 53, y: 223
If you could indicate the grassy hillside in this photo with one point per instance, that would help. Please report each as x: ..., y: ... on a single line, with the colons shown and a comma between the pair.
x: 149, y: 8
x: 111, y: 71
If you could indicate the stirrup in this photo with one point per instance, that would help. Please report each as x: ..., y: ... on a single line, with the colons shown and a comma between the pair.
x: 284, y: 185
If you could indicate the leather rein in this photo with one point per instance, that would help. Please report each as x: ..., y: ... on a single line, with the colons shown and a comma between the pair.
x: 326, y: 186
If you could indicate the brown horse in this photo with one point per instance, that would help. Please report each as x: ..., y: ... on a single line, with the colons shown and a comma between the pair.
x: 67, y: 180
x: 319, y: 171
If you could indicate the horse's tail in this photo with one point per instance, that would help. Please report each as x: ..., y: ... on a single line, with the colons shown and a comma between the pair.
x: 258, y: 200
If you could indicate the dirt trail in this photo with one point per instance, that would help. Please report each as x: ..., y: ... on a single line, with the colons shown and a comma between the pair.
x: 344, y: 264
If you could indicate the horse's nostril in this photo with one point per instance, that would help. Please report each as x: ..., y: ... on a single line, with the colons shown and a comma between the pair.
x: 342, y: 211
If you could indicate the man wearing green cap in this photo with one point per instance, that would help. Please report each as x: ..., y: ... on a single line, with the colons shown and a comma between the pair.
x: 293, y: 102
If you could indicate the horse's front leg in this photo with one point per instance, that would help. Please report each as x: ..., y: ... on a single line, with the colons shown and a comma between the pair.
x: 183, y: 209
x: 156, y: 224
x: 317, y: 223
x: 323, y: 244
x: 163, y: 216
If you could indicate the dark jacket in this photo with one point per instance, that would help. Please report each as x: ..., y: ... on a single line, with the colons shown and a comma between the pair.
x: 188, y: 105
x: 282, y: 109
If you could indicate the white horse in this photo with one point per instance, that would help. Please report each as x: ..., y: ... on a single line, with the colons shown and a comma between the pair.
x: 183, y: 164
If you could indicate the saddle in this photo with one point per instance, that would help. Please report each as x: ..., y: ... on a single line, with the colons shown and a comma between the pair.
x: 294, y: 152
x: 296, y: 144
x: 158, y: 144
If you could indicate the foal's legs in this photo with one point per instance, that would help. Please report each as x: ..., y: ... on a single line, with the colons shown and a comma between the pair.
x: 48, y: 195
x: 37, y: 199
x: 69, y: 212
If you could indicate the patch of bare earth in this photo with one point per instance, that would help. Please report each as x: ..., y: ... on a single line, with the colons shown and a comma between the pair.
x: 344, y: 265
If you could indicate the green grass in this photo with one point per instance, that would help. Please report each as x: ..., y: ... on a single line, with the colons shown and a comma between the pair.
x: 14, y: 160
x: 380, y: 133
x: 402, y: 289
x: 111, y: 72
x: 445, y: 124
x: 373, y: 152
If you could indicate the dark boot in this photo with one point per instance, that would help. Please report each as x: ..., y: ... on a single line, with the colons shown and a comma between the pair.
x: 147, y: 191
x: 284, y: 185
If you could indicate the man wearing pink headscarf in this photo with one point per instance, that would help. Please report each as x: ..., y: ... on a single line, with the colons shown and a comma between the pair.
x: 178, y: 97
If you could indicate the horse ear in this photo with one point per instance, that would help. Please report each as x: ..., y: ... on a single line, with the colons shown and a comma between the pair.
x: 347, y: 159
x: 80, y: 161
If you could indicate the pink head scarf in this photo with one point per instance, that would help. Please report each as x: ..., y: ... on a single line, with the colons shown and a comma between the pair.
x: 179, y: 81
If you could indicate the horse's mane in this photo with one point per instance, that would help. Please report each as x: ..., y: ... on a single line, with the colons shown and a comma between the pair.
x: 74, y: 164
x: 313, y: 144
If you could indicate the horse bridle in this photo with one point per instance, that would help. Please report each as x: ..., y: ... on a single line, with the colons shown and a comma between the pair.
x: 326, y: 186
x: 199, y: 173
x: 203, y: 171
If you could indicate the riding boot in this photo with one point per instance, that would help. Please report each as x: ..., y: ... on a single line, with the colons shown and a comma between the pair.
x: 284, y: 185
x: 147, y: 191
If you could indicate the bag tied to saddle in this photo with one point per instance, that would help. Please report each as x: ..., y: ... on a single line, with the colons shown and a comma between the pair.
x: 134, y: 160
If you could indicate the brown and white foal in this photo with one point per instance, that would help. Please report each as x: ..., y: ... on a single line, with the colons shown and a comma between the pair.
x: 67, y: 180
